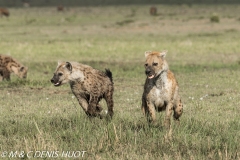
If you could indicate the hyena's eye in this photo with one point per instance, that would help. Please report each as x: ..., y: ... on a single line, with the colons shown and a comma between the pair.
x: 155, y: 64
x: 21, y: 69
x: 60, y: 74
x: 146, y: 65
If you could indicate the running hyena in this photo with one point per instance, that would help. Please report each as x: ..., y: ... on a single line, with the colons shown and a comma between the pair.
x: 160, y: 89
x: 88, y: 85
x: 9, y: 65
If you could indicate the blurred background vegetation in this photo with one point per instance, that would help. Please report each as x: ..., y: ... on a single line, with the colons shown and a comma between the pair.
x: 19, y: 3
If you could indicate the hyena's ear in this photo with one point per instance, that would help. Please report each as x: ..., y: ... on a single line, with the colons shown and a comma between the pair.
x: 163, y: 53
x: 147, y: 53
x: 68, y: 66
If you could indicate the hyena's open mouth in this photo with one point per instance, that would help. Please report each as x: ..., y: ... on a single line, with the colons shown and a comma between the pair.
x: 57, y: 84
x: 149, y: 73
x: 150, y: 76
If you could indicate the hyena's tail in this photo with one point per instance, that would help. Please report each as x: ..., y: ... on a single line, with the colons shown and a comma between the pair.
x: 109, y: 74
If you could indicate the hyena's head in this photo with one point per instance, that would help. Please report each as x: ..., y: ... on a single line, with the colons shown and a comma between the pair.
x: 155, y: 63
x: 20, y: 71
x: 62, y: 73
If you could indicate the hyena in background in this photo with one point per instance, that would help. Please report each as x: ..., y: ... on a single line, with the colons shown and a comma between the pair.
x: 9, y: 65
x: 4, y: 12
x: 89, y: 86
x: 60, y: 8
x: 153, y: 11
x: 160, y: 89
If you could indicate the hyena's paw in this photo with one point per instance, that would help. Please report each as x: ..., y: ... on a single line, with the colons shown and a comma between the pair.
x: 110, y: 113
x: 100, y: 112
x: 176, y: 116
x: 154, y: 123
x: 99, y: 109
x: 107, y: 115
x: 97, y: 112
x: 178, y: 112
x: 91, y: 112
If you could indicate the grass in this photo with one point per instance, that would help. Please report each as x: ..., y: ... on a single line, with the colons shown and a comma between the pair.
x: 36, y: 116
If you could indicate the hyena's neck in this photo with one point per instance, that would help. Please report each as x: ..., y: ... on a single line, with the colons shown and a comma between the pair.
x: 161, y: 80
x: 72, y: 84
x: 12, y: 64
x: 76, y: 75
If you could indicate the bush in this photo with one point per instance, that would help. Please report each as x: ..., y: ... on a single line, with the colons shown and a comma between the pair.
x: 214, y: 18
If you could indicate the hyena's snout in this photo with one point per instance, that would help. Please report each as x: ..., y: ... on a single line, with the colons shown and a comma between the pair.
x: 149, y: 72
x: 55, y: 80
x: 52, y: 80
x: 25, y: 76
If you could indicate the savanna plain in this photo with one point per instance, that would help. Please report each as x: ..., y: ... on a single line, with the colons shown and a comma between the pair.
x: 203, y: 54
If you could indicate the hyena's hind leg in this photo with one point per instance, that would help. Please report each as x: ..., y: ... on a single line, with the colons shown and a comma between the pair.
x: 178, y: 109
x: 109, y: 100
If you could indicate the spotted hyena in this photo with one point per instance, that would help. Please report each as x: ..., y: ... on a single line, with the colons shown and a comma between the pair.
x: 160, y: 89
x: 60, y: 8
x: 89, y: 86
x: 153, y: 11
x: 9, y: 65
x: 4, y: 12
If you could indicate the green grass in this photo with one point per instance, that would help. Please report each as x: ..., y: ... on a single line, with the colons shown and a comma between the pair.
x: 36, y: 116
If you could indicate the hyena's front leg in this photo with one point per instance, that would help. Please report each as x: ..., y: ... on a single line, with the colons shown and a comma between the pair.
x: 5, y: 74
x: 83, y: 103
x: 151, y: 112
x: 144, y: 109
x: 92, y: 107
